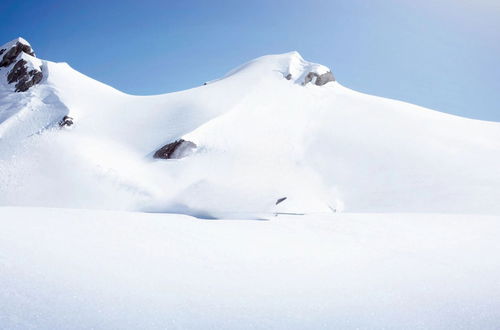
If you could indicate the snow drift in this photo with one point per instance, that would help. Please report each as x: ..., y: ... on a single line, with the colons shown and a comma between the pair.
x: 275, y: 127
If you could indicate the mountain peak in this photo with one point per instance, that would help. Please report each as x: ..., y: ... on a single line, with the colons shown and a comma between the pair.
x: 304, y: 72
x: 21, y: 66
x: 12, y: 49
x: 16, y: 40
x: 290, y: 65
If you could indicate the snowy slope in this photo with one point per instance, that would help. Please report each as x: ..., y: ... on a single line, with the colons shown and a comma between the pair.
x: 83, y: 269
x: 275, y: 127
x: 261, y: 135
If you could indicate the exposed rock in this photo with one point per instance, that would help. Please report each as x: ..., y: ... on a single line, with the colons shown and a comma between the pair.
x: 24, y: 71
x: 282, y: 199
x: 18, y: 71
x: 319, y: 79
x: 175, y: 150
x: 66, y: 121
x: 302, y: 72
x: 10, y: 56
x: 23, y: 78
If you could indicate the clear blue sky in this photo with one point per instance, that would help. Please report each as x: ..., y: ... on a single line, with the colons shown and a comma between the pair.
x: 442, y: 54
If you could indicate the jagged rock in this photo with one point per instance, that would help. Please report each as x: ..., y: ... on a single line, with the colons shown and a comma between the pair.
x: 319, y: 79
x: 10, y: 56
x: 175, y: 150
x: 24, y: 71
x: 24, y: 78
x: 19, y: 70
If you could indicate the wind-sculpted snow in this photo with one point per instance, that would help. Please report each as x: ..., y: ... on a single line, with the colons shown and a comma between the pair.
x: 262, y: 133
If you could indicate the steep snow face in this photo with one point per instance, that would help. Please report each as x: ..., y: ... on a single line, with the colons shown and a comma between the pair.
x: 275, y: 127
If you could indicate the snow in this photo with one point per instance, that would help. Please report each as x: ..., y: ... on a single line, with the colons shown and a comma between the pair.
x: 84, y: 269
x: 15, y: 41
x: 260, y: 137
x: 31, y: 63
x: 24, y: 114
x: 391, y: 217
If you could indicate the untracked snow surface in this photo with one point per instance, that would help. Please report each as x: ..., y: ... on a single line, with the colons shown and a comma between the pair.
x: 77, y: 269
x: 304, y: 204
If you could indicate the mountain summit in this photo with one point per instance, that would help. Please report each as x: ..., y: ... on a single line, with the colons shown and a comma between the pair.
x: 277, y: 134
x: 19, y: 67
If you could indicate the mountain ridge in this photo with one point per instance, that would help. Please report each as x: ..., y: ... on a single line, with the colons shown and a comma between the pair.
x: 269, y: 129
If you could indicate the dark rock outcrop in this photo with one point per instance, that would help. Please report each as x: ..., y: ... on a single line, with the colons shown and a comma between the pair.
x: 175, y: 150
x: 21, y: 73
x: 23, y: 78
x: 66, y: 121
x: 320, y: 79
x: 11, y: 55
x: 280, y: 200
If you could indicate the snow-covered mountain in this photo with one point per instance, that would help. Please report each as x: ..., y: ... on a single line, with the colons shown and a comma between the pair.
x: 278, y: 126
x: 276, y: 135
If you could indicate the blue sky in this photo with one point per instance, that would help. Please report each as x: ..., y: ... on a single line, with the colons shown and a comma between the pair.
x: 441, y: 54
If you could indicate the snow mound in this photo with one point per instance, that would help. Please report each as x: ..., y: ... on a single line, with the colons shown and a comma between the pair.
x: 290, y: 65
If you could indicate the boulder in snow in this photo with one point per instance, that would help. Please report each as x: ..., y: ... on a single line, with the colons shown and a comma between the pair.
x: 319, y: 79
x: 66, y: 121
x: 175, y: 150
x: 280, y: 200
